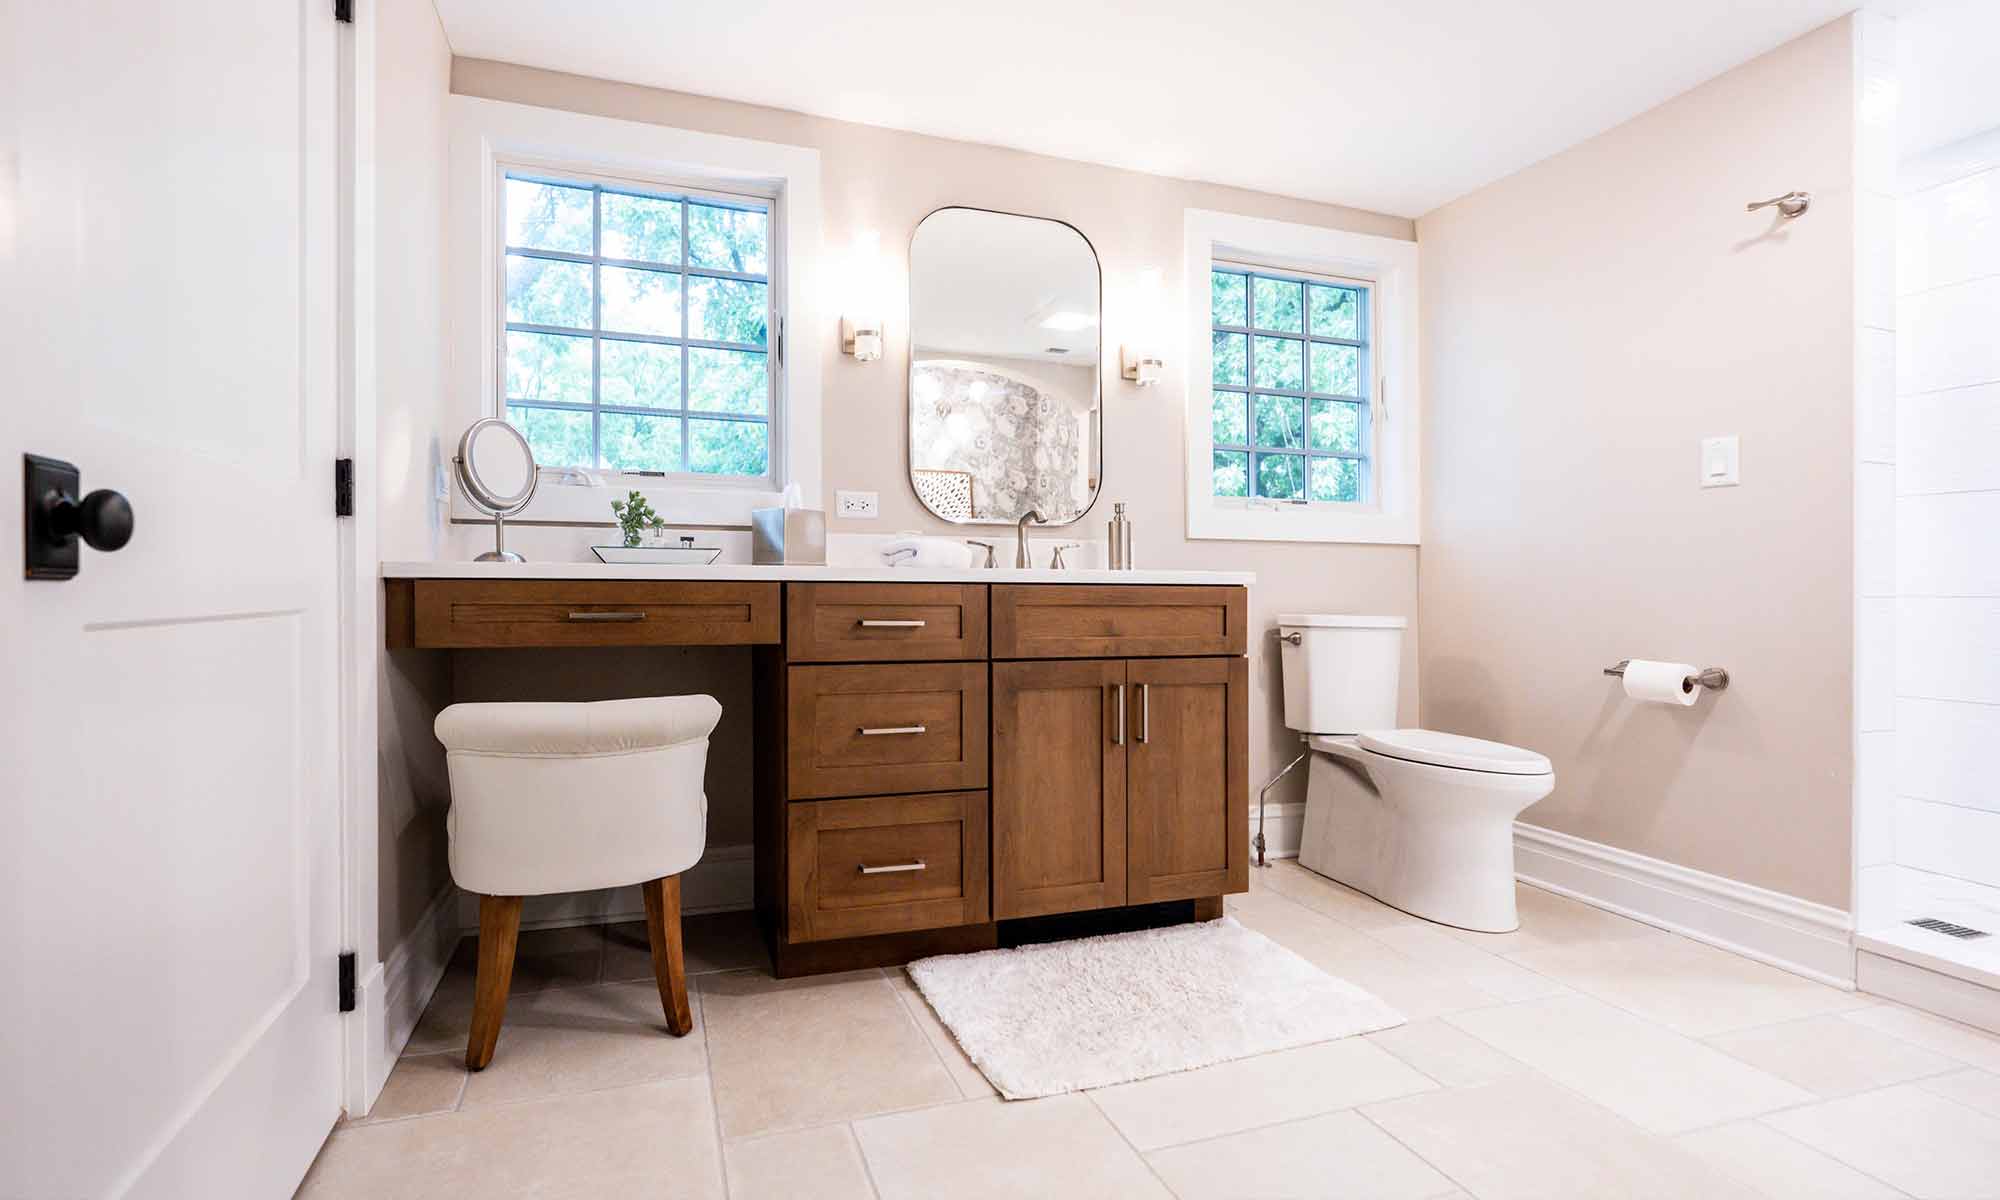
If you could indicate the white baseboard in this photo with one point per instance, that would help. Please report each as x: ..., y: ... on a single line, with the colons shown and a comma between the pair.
x: 1283, y: 825
x: 723, y: 881
x: 394, y: 993
x: 1933, y: 991
x: 1797, y: 935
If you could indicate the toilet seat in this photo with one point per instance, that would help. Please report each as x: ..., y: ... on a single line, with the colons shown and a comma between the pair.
x: 1452, y: 750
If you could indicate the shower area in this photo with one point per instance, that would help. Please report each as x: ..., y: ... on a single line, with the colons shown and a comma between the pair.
x: 1927, y: 509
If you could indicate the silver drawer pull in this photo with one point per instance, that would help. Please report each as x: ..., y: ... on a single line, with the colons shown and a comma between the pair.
x: 876, y: 623
x: 607, y: 616
x: 889, y: 729
x: 892, y: 868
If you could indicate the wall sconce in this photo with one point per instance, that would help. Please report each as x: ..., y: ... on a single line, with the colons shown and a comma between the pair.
x: 861, y: 337
x: 1139, y: 367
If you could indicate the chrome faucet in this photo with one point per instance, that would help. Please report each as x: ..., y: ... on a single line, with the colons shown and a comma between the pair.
x: 1021, y: 559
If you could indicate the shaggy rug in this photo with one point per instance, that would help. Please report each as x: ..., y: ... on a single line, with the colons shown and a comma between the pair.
x: 1063, y: 1016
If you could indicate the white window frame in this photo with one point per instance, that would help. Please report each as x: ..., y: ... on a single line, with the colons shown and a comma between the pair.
x: 1389, y: 267
x: 774, y: 349
x: 489, y: 136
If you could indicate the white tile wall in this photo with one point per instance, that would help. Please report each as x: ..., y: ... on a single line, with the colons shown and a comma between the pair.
x: 1875, y: 799
x: 1875, y: 665
x: 1875, y: 399
x: 1875, y: 529
x: 1946, y: 541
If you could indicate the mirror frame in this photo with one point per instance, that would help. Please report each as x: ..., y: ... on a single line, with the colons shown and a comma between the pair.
x: 475, y: 487
x: 910, y: 365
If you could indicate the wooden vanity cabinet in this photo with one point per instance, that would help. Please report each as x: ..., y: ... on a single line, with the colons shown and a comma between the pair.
x: 1118, y: 781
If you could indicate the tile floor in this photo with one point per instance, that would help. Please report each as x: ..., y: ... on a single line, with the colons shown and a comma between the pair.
x: 1585, y: 1055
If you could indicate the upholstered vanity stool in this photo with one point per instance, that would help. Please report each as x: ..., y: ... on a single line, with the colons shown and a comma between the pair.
x: 567, y: 798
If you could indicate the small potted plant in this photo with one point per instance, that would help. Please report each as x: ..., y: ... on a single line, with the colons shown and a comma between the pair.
x: 636, y: 518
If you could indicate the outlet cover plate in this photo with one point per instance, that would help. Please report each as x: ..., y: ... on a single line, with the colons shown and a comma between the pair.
x: 860, y: 506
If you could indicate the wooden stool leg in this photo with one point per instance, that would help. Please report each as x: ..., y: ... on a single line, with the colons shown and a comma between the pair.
x: 663, y: 934
x: 499, y: 929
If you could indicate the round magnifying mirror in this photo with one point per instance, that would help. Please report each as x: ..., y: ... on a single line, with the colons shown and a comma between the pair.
x: 496, y: 468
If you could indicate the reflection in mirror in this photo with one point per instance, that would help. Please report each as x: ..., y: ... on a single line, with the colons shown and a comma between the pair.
x: 1004, y: 406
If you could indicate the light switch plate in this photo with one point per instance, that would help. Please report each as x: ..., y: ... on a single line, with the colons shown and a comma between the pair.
x: 857, y: 505
x: 1720, y: 462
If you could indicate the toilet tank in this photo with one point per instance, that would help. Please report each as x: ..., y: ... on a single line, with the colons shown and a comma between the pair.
x: 1342, y: 675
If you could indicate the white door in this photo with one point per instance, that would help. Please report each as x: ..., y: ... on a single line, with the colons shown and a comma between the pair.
x: 169, y: 856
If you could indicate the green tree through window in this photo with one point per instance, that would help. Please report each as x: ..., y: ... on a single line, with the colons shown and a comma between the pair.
x: 637, y: 327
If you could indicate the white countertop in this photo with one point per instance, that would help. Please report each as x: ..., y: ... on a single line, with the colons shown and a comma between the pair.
x: 801, y: 574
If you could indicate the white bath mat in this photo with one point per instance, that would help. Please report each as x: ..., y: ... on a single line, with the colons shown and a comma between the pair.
x: 1062, y: 1016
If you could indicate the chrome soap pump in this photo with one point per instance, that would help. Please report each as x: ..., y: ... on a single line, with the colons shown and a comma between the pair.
x: 1120, y: 539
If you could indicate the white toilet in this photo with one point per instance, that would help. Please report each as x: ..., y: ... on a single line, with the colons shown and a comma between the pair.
x: 1419, y: 820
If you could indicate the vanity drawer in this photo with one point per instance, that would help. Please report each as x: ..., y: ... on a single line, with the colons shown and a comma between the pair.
x: 1118, y: 621
x: 885, y: 622
x: 864, y: 730
x: 467, y: 613
x: 886, y: 864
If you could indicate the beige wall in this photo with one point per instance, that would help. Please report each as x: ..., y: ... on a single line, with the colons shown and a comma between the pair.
x: 412, y: 68
x: 1586, y: 322
x: 886, y: 181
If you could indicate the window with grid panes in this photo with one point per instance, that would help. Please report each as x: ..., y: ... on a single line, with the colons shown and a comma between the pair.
x: 637, y: 327
x: 1290, y: 403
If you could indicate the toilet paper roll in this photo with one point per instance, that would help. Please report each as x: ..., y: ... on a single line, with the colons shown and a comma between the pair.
x: 1661, y: 682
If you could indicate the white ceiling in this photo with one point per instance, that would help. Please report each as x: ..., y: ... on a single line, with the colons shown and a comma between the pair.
x: 1380, y: 104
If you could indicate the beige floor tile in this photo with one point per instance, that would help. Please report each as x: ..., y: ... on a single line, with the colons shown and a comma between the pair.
x: 1779, y: 1168
x: 1415, y: 989
x: 420, y: 1084
x: 1549, y: 920
x: 975, y: 1149
x: 653, y: 1140
x: 1331, y: 899
x: 791, y: 1053
x: 1975, y: 1089
x: 1490, y: 973
x: 1339, y: 1154
x: 1687, y: 986
x: 1526, y: 1138
x: 1830, y: 1056
x: 972, y: 1084
x: 1973, y: 1047
x: 1447, y: 1053
x: 711, y: 942
x: 1229, y: 1097
x: 823, y: 1163
x: 581, y: 1040
x: 1906, y: 1137
x: 1652, y: 1076
x: 447, y: 1018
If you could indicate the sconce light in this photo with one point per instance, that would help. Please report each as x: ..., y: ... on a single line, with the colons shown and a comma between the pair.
x: 861, y: 337
x: 1139, y: 367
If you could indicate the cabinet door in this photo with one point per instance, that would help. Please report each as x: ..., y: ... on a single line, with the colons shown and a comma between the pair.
x: 1188, y: 788
x: 1060, y: 734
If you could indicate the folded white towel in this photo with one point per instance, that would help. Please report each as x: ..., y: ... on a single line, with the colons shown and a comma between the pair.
x: 919, y: 551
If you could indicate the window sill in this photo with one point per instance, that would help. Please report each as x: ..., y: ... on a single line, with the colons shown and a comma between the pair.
x: 678, y: 503
x: 1226, y: 521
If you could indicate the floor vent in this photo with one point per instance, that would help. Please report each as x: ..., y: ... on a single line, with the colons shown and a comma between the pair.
x: 1947, y: 928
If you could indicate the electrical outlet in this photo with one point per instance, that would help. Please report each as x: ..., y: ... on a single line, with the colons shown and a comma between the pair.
x: 857, y: 505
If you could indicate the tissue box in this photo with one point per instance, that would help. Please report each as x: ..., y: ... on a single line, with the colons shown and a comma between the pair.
x: 788, y: 535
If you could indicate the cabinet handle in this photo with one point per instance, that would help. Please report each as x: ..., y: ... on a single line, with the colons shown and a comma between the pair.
x: 889, y: 729
x: 1118, y: 739
x: 878, y: 623
x: 892, y: 868
x: 607, y: 616
x: 1145, y: 713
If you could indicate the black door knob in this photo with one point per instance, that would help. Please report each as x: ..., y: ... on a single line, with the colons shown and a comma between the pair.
x: 103, y: 518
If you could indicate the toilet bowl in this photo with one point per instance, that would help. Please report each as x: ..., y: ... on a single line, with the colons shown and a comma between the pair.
x: 1420, y: 820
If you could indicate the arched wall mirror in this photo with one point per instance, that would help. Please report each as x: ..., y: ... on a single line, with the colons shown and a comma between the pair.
x: 1005, y: 411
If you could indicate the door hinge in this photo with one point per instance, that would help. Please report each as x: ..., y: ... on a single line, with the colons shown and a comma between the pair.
x: 343, y: 11
x: 347, y: 981
x: 343, y: 487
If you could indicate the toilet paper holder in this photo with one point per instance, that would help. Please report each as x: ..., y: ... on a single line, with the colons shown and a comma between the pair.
x: 1712, y: 678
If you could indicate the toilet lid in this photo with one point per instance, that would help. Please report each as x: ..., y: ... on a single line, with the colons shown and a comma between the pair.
x: 1451, y: 750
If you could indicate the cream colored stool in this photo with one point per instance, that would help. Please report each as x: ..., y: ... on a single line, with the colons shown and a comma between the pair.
x: 568, y: 798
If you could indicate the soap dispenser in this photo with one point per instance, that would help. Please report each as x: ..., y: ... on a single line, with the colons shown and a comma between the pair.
x: 1120, y: 539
